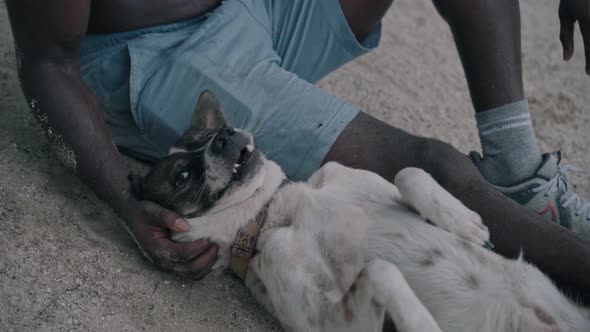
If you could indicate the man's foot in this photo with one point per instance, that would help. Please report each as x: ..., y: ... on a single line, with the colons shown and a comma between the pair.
x: 550, y: 194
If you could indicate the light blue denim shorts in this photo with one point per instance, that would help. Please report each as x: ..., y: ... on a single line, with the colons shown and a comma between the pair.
x: 259, y: 57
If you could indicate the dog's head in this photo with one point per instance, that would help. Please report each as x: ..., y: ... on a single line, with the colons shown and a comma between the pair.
x: 212, y: 164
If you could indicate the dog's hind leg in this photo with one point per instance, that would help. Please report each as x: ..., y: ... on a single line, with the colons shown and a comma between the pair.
x: 422, y: 193
x: 391, y: 290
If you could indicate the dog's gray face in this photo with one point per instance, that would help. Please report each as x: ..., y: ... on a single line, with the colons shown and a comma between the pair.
x: 209, y: 161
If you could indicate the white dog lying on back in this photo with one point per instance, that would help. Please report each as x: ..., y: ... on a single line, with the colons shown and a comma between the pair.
x: 334, y: 253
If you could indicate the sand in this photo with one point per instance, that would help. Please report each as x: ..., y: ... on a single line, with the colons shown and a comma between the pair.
x: 66, y: 264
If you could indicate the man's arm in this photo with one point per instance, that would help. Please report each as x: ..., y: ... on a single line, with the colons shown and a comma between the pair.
x: 48, y: 35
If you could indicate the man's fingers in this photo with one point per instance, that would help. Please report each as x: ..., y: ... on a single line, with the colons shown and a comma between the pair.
x: 199, y: 267
x: 203, y: 264
x: 167, y: 219
x: 173, y: 221
x: 585, y: 28
x: 566, y: 36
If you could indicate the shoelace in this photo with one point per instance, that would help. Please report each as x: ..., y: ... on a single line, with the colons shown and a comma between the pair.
x: 560, y: 183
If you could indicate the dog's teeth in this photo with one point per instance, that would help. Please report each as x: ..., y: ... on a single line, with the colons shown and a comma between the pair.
x: 236, y: 166
x: 250, y: 147
x: 235, y: 171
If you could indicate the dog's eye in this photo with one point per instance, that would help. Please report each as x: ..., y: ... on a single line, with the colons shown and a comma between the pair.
x: 181, y: 178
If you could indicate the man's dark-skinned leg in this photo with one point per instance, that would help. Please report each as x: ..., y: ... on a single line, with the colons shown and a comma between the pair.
x: 370, y: 144
x: 487, y: 34
x: 489, y: 48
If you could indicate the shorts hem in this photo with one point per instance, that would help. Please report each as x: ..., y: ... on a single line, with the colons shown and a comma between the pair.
x: 324, y: 140
x: 342, y: 30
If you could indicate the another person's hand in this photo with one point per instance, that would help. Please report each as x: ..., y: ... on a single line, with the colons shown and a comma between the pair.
x: 570, y: 12
x: 151, y: 226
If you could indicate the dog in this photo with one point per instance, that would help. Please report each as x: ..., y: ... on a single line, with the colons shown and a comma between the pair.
x: 338, y: 252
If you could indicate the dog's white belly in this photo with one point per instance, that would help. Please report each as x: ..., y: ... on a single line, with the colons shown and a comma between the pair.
x: 464, y: 286
x: 322, y: 234
x: 458, y: 282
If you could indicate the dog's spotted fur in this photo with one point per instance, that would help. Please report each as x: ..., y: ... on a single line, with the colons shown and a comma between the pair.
x: 339, y: 250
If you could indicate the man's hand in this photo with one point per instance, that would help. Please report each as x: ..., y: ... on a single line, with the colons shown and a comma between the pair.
x: 571, y: 11
x: 151, y: 225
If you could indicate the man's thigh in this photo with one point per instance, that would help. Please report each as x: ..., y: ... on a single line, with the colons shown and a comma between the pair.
x: 160, y: 72
x: 294, y: 123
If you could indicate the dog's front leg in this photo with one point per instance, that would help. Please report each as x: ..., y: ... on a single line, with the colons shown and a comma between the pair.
x: 421, y: 192
x: 209, y: 228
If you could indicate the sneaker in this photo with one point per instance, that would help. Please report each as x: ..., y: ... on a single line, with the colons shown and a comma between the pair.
x: 550, y: 194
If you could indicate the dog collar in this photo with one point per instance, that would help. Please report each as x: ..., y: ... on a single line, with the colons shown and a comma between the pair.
x: 244, y: 246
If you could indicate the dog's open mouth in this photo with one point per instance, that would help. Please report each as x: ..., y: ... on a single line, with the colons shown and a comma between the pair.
x: 245, y: 155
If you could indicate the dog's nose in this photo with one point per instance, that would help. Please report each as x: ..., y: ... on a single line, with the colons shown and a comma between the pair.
x: 223, y: 137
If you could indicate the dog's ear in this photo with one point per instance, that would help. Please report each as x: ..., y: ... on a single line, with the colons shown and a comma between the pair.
x: 208, y: 113
x: 136, y: 184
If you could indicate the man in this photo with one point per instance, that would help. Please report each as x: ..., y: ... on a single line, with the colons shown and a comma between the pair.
x: 141, y: 66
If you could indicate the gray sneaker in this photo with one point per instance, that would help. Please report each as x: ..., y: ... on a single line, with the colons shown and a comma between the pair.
x: 550, y: 194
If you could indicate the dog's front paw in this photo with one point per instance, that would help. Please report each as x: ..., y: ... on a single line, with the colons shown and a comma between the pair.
x: 469, y: 226
x: 427, y: 198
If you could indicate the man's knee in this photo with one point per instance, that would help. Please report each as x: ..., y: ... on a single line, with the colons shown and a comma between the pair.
x: 370, y: 144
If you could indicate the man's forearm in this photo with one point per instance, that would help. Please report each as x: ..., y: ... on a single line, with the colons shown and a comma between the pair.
x: 69, y: 111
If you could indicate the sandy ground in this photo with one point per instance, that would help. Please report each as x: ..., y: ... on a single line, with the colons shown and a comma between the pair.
x: 65, y: 264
